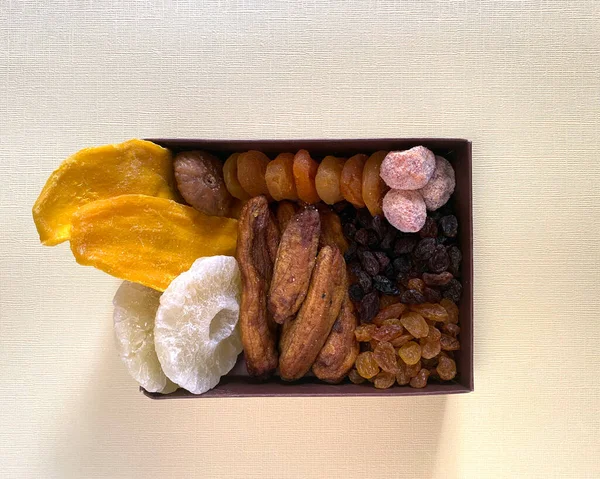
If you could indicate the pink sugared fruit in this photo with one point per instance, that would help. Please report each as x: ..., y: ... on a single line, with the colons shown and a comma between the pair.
x: 437, y: 192
x: 405, y: 210
x: 409, y: 169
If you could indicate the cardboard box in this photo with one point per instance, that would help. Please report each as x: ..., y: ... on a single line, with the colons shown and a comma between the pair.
x: 458, y: 151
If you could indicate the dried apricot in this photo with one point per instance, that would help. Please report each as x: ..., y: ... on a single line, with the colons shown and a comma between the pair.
x: 373, y: 187
x: 351, y: 180
x: 251, y: 170
x: 410, y: 352
x: 384, y: 380
x: 432, y: 311
x: 327, y: 180
x: 366, y: 365
x: 451, y: 309
x: 230, y: 175
x: 133, y: 167
x: 385, y: 356
x: 280, y: 177
x: 305, y: 171
x: 415, y: 324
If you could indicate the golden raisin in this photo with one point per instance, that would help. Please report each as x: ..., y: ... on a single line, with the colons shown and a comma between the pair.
x: 251, y: 169
x: 351, y: 180
x: 391, y: 311
x: 387, y: 300
x: 449, y: 343
x: 451, y: 329
x: 280, y: 177
x: 387, y: 332
x: 327, y: 180
x: 415, y: 324
x: 305, y: 171
x: 366, y: 365
x: 373, y: 187
x: 401, y: 340
x: 430, y: 348
x: 355, y: 377
x: 230, y: 175
x: 364, y: 332
x: 410, y: 352
x: 432, y: 311
x: 416, y: 284
x: 446, y: 368
x: 384, y: 380
x: 420, y: 380
x: 406, y: 373
x: 385, y: 356
x: 452, y: 310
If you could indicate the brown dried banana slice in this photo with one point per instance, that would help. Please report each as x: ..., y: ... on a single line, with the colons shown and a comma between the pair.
x: 340, y: 350
x: 294, y: 264
x: 309, y: 331
x: 256, y: 265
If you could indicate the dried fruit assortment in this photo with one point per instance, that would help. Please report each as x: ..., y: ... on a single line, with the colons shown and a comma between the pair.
x: 346, y: 268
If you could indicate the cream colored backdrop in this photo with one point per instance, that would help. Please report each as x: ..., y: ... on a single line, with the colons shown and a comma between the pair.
x: 521, y: 79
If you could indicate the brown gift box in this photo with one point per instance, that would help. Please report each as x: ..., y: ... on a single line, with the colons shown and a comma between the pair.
x: 458, y: 151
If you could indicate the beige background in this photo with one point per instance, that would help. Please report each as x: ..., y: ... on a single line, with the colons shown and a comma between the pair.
x: 520, y: 79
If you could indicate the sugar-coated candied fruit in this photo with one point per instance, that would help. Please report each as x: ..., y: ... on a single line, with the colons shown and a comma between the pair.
x: 440, y: 187
x: 409, y: 169
x: 405, y: 210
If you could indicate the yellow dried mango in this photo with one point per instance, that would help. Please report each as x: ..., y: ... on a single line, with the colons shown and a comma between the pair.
x: 147, y: 240
x: 133, y: 167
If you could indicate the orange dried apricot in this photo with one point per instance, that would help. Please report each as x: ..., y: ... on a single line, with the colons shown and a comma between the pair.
x: 251, y: 169
x: 230, y: 175
x: 327, y: 180
x: 280, y: 177
x: 91, y: 174
x: 305, y: 171
x: 351, y: 180
x: 373, y: 187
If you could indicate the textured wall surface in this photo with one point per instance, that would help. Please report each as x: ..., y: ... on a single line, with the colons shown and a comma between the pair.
x: 521, y: 79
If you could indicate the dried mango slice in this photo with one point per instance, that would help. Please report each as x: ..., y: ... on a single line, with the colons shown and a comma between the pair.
x: 147, y: 240
x: 133, y: 167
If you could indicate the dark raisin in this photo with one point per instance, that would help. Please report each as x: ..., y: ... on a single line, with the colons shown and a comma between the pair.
x: 382, y: 258
x: 402, y: 264
x: 369, y: 262
x: 385, y: 286
x: 455, y: 260
x: 405, y: 245
x: 412, y: 296
x: 369, y: 307
x: 354, y: 267
x: 356, y: 292
x: 341, y: 206
x: 389, y: 272
x: 364, y: 280
x: 443, y: 240
x: 453, y: 290
x: 364, y: 218
x: 349, y: 230
x: 387, y: 242
x: 439, y: 261
x: 350, y: 253
x: 362, y: 236
x: 421, y: 266
x: 449, y: 226
x: 432, y: 295
x: 430, y: 229
x: 372, y: 239
x: 380, y: 225
x: 440, y: 279
x: 425, y: 248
